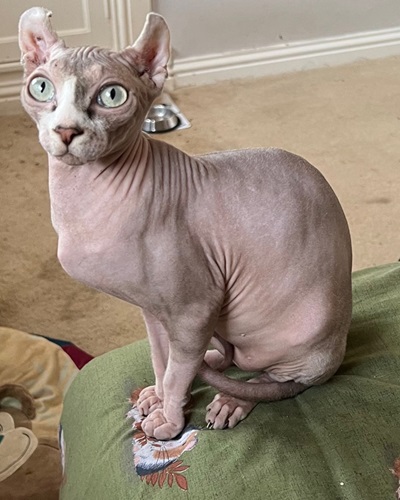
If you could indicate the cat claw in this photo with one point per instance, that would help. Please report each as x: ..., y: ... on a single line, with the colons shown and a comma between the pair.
x: 226, y: 411
x: 210, y: 426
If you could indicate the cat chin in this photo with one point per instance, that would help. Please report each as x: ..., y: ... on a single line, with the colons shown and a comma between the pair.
x: 71, y: 160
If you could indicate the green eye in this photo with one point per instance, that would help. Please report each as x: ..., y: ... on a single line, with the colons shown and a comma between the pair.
x: 41, y: 89
x: 112, y: 96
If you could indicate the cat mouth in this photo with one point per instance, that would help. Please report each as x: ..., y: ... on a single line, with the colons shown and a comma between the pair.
x: 75, y: 156
x: 63, y: 154
x: 70, y: 159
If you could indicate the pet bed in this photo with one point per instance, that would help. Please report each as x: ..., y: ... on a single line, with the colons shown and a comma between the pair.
x: 340, y: 440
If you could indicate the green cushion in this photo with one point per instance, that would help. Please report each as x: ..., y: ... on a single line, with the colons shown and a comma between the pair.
x: 335, y: 441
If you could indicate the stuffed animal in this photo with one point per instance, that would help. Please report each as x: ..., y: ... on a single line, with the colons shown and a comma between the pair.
x: 30, y: 468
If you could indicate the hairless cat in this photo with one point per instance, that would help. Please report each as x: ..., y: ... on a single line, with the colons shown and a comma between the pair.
x: 248, y: 249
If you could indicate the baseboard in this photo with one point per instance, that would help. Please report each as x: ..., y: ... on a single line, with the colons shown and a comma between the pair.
x: 278, y: 59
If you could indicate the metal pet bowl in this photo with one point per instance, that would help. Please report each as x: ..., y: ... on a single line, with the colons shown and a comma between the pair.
x: 160, y: 118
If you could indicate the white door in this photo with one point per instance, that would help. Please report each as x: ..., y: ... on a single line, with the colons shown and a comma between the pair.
x: 80, y: 22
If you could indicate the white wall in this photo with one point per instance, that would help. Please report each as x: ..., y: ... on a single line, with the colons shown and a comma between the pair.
x: 206, y: 31
x: 220, y: 39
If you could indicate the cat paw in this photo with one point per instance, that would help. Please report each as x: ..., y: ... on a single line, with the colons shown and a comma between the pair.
x: 156, y: 425
x: 226, y: 411
x: 148, y: 401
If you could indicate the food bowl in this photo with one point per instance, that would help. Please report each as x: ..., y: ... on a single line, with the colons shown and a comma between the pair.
x: 160, y: 118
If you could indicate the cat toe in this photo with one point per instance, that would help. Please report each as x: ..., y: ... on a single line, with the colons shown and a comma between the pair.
x: 148, y: 401
x: 156, y: 425
x: 226, y: 411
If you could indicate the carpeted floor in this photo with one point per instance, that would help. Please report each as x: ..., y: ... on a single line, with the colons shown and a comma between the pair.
x: 346, y: 121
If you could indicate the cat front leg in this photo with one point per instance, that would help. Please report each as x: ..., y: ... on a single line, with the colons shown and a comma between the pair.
x: 186, y: 352
x: 168, y: 421
x: 151, y: 397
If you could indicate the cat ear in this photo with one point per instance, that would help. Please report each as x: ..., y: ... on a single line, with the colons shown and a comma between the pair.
x: 151, y: 51
x: 36, y: 38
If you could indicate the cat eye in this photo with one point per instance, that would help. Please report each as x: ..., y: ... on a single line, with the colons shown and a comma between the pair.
x: 41, y: 89
x: 112, y: 96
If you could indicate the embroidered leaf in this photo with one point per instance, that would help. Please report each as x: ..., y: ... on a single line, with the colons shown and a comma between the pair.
x: 154, y: 478
x: 172, y: 467
x: 181, y: 468
x: 170, y: 479
x: 396, y: 468
x: 138, y: 426
x: 141, y: 438
x: 162, y: 477
x: 148, y: 478
x: 135, y: 395
x: 181, y: 481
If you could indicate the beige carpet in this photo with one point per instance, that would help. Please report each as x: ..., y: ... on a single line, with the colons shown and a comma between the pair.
x: 346, y: 121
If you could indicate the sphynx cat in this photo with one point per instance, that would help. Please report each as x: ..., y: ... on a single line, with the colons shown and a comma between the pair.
x: 248, y: 249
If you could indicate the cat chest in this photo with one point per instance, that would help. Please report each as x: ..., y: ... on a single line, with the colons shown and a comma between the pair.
x: 108, y: 266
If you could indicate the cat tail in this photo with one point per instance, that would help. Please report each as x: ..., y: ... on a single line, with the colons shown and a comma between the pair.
x: 256, y: 390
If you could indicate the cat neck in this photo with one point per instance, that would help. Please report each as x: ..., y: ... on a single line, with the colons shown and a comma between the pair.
x: 144, y: 159
x: 77, y: 192
x: 132, y: 158
x: 141, y: 175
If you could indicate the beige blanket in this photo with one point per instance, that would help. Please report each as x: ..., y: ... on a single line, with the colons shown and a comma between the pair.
x: 44, y: 369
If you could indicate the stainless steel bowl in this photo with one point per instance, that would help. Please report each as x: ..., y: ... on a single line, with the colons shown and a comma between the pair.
x: 160, y: 118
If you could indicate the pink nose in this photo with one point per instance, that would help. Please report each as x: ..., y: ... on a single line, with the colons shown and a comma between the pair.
x: 67, y: 134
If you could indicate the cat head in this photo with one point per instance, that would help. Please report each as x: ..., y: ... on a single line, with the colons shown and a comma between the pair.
x: 89, y: 102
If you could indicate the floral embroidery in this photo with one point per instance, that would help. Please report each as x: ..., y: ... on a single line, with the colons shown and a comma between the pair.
x: 157, y: 462
x: 396, y: 472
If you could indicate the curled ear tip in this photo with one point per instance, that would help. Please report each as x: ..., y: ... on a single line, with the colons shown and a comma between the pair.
x: 31, y: 15
x: 154, y: 17
x: 37, y: 12
x: 153, y: 14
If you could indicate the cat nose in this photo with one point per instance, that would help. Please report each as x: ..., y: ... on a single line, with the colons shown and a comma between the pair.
x: 68, y: 133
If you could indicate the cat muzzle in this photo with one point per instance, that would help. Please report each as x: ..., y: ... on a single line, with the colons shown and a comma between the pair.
x: 67, y: 134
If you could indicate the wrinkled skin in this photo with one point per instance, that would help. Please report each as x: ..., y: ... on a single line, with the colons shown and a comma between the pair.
x: 247, y: 249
